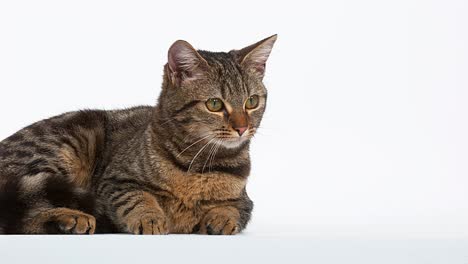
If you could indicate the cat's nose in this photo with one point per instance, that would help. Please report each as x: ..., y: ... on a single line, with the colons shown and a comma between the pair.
x: 240, y: 130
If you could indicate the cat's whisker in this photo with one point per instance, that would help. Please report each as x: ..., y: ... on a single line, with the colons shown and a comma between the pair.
x: 211, y: 158
x: 203, y: 138
x: 210, y: 154
x: 198, y: 153
x: 167, y: 122
x: 220, y: 142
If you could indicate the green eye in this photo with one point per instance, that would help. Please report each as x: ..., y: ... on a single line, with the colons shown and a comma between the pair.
x: 252, y: 102
x: 214, y: 104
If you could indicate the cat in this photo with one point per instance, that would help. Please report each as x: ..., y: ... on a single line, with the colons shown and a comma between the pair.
x: 178, y: 167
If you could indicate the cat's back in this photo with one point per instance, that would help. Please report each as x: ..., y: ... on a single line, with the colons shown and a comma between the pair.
x: 71, y: 143
x: 125, y: 123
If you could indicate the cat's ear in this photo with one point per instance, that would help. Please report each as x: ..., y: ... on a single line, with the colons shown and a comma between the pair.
x: 254, y: 57
x: 184, y: 62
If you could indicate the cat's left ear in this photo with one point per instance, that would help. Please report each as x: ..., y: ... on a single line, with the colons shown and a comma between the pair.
x: 254, y: 57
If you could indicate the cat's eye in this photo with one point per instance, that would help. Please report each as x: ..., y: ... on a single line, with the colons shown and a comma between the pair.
x: 214, y: 104
x: 252, y: 102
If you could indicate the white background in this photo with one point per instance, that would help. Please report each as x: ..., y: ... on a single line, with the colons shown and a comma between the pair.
x: 366, y: 131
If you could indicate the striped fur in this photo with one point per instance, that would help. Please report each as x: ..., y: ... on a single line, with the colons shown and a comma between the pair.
x: 172, y: 168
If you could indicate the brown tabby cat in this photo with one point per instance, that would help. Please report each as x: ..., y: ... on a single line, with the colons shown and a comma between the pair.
x: 179, y: 167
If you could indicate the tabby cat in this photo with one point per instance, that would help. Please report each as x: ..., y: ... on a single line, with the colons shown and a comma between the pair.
x: 178, y: 167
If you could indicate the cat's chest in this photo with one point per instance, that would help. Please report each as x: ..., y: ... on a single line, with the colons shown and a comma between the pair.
x: 193, y: 188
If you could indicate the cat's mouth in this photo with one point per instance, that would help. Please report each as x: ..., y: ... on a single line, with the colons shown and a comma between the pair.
x: 233, y: 142
x: 224, y: 138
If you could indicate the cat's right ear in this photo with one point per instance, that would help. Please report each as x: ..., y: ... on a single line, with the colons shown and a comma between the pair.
x: 184, y: 63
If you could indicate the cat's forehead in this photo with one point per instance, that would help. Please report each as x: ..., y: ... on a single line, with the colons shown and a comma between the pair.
x: 223, y: 65
x: 227, y: 77
x: 216, y: 57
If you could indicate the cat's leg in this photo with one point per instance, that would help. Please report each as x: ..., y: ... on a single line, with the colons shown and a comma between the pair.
x: 134, y: 211
x: 221, y: 221
x: 228, y: 219
x: 146, y: 217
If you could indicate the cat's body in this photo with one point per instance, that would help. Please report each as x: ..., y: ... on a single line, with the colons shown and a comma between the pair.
x: 173, y: 168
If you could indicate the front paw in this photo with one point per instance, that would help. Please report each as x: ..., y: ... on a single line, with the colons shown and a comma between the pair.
x: 221, y: 221
x: 148, y: 224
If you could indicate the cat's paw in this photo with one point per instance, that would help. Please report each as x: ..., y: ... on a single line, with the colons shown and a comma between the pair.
x: 148, y: 224
x: 75, y: 222
x: 221, y: 221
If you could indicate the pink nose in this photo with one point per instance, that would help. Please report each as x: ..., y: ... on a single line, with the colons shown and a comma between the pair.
x: 240, y: 130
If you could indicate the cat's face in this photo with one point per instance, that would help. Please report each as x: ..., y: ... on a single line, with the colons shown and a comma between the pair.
x: 217, y: 97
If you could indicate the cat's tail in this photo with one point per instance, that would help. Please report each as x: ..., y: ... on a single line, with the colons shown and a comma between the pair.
x: 43, y: 203
x: 11, y: 205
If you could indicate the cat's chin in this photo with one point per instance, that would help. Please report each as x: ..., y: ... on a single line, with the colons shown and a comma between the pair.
x: 234, y: 143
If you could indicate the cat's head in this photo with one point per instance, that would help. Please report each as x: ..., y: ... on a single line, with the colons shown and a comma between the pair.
x: 215, y: 96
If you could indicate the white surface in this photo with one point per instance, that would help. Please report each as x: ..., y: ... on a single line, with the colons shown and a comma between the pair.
x: 365, y: 134
x: 238, y: 249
